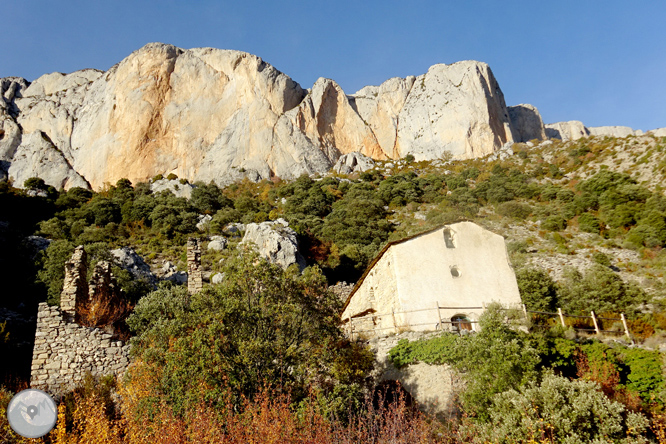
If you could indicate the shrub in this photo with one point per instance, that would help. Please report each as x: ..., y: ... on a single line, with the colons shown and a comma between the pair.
x: 601, y: 259
x: 589, y: 223
x: 52, y: 268
x: 561, y: 410
x: 35, y: 183
x: 554, y: 223
x: 537, y: 289
x: 491, y: 361
x: 262, y: 326
x: 601, y: 290
x: 514, y: 209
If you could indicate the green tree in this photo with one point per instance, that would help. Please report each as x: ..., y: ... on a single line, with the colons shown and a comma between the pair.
x: 52, y: 268
x: 537, y: 289
x: 262, y: 326
x: 599, y: 289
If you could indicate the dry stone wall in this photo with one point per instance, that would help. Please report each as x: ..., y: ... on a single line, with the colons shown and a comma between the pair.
x: 65, y: 351
x: 194, y: 275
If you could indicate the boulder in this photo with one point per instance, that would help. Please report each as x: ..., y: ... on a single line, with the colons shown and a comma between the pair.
x: 175, y: 186
x: 127, y: 259
x: 275, y: 241
x: 353, y: 163
x: 217, y: 243
x: 526, y: 123
x: 217, y: 278
x: 37, y: 244
x: 571, y: 130
x: 659, y: 132
x: 234, y: 229
x: 204, y: 221
x: 169, y: 272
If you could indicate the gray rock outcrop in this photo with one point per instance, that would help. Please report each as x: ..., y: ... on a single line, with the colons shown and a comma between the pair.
x: 456, y: 108
x: 217, y: 243
x: 571, y: 130
x: 177, y: 188
x: 128, y: 259
x: 612, y: 131
x: 353, y: 163
x: 275, y: 241
x: 526, y: 123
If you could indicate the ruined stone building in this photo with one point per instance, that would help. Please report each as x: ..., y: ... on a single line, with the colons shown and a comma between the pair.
x: 68, y: 342
x: 194, y: 275
x: 460, y: 266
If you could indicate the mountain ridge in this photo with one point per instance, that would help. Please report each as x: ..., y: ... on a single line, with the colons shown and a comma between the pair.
x: 221, y: 115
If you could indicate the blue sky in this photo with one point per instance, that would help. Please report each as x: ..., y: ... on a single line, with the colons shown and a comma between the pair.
x: 602, y: 62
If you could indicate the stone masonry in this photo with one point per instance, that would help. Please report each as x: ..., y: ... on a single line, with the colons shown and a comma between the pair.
x: 75, y: 287
x: 64, y: 350
x: 194, y: 275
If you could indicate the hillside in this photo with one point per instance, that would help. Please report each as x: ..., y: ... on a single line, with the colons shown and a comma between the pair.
x: 590, y: 213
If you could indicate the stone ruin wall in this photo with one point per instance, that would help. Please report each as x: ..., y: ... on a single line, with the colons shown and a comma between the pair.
x: 194, y: 275
x: 65, y: 351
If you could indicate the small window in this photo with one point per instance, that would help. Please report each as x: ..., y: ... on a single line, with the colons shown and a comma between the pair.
x: 455, y: 272
x: 371, y: 294
x: 448, y: 238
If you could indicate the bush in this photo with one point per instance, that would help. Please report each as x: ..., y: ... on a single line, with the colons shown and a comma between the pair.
x: 537, y: 289
x: 35, y: 183
x: 263, y: 327
x: 561, y: 410
x: 492, y: 361
x: 52, y: 268
x: 554, y: 223
x: 588, y: 223
x: 514, y: 209
x: 601, y: 290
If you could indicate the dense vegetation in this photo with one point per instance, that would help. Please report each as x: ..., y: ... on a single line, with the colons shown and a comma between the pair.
x: 264, y: 347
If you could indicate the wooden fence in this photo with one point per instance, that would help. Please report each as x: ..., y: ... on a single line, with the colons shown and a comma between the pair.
x: 355, y: 324
x: 595, y: 321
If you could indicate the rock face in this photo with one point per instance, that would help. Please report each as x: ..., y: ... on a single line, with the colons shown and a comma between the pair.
x: 209, y: 114
x: 571, y: 130
x: 275, y: 241
x: 612, y: 131
x: 456, y: 108
x: 353, y: 163
x: 526, y: 123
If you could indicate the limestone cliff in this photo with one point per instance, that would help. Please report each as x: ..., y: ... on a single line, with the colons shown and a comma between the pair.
x: 210, y: 114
